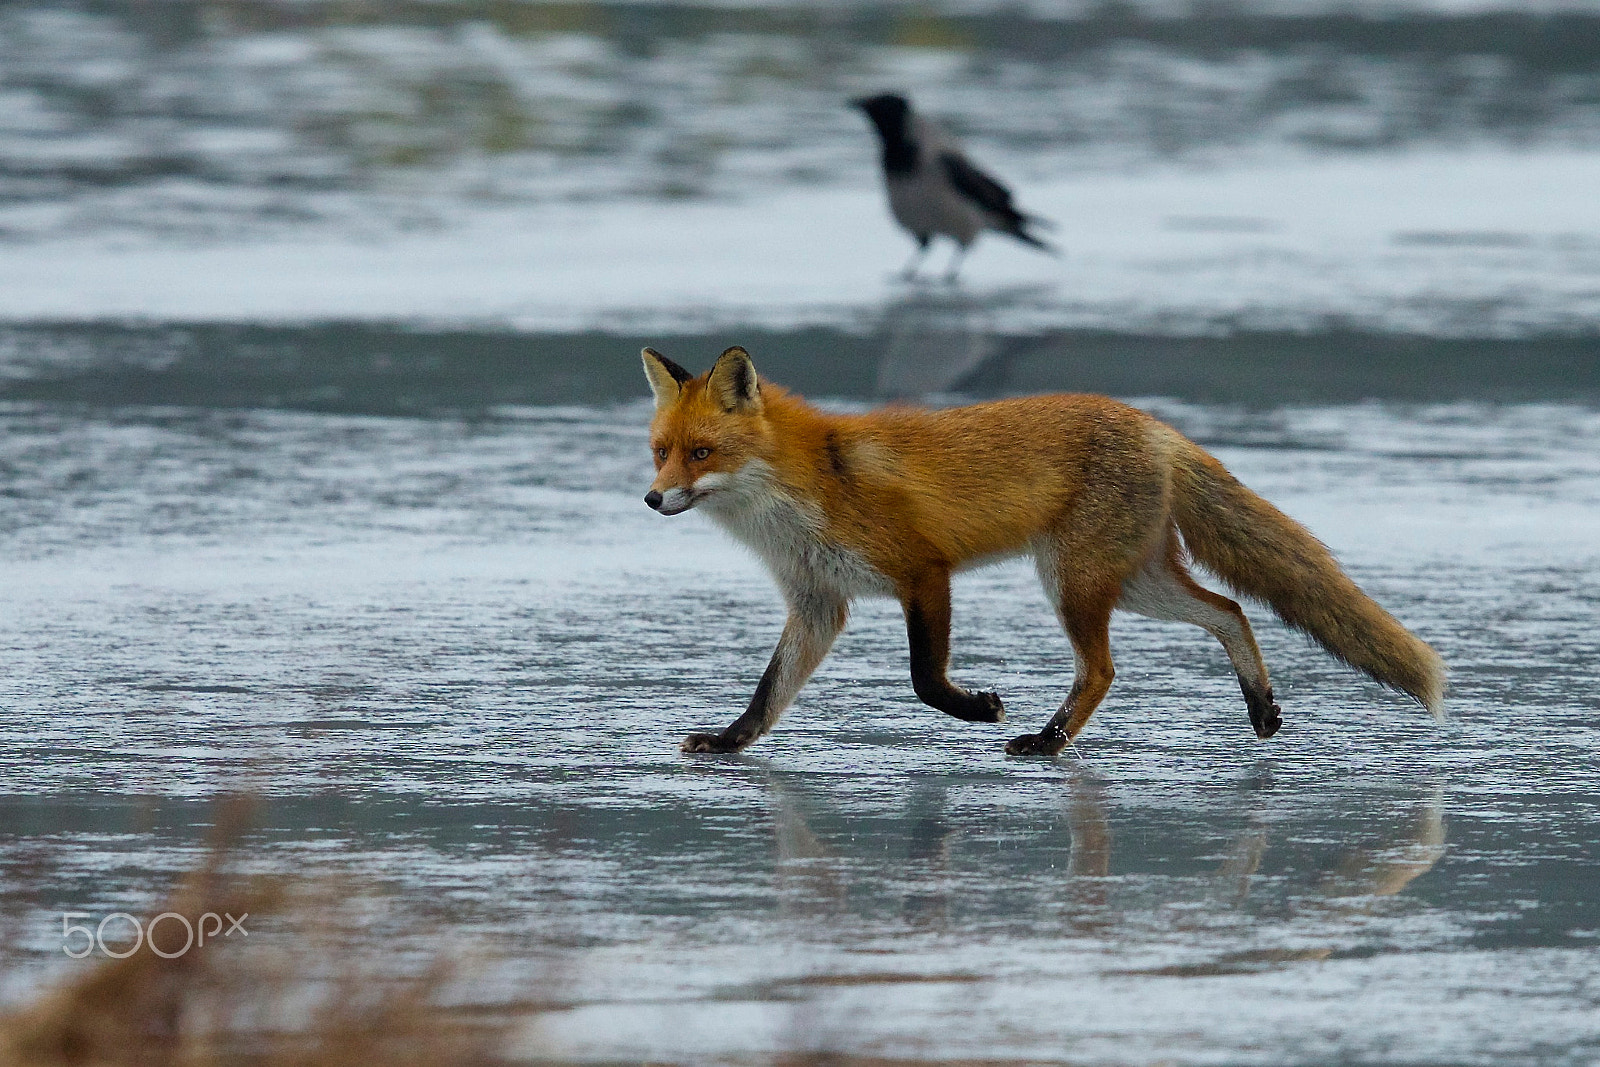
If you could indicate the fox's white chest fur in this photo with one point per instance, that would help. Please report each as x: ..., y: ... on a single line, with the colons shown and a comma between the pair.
x: 787, y: 535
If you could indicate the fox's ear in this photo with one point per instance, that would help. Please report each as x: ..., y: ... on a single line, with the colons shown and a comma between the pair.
x: 733, y: 381
x: 666, y: 377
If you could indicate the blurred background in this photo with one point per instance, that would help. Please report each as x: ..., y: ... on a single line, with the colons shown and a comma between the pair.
x: 204, y: 119
x: 322, y: 443
x: 656, y: 170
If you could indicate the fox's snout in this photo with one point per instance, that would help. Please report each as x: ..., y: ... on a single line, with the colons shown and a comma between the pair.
x: 672, y: 501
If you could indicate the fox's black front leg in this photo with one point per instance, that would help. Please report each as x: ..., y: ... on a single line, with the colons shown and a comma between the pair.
x: 927, y: 609
x: 757, y: 719
x: 813, y: 624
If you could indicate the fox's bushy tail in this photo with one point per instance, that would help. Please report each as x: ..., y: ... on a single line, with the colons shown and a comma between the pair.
x: 1262, y: 553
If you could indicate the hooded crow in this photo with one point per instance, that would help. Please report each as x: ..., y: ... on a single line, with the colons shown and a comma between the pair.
x: 934, y: 189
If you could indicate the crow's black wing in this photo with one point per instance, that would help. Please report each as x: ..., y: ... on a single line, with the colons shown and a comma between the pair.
x: 978, y: 187
x: 983, y: 191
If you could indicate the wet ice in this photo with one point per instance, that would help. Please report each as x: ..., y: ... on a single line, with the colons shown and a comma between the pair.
x: 456, y: 655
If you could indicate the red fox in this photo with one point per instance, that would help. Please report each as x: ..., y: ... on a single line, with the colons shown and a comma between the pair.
x: 1110, y: 503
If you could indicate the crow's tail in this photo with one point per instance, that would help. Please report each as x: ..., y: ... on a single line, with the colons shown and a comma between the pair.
x: 1019, y: 230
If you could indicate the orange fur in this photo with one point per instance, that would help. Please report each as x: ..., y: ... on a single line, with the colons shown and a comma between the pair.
x: 1104, y: 497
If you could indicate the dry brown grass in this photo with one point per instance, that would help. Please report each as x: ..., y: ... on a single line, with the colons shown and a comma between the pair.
x: 233, y: 1003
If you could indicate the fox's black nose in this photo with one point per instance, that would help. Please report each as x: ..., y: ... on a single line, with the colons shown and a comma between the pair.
x: 653, y: 498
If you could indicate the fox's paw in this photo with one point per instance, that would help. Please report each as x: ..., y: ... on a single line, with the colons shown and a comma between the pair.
x: 1046, y: 743
x: 993, y: 709
x: 1268, y: 723
x: 709, y: 743
x: 1265, y: 715
x: 980, y: 707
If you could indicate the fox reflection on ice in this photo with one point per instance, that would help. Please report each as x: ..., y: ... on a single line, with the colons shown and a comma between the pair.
x: 814, y: 878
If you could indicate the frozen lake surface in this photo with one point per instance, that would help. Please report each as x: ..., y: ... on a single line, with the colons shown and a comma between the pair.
x: 456, y: 655
x: 1483, y: 243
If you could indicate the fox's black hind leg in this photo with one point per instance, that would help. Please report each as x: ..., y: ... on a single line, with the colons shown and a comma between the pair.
x: 1164, y: 589
x: 1265, y: 715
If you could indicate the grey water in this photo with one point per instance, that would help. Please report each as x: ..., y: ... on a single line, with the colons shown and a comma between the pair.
x: 192, y: 119
x: 454, y: 653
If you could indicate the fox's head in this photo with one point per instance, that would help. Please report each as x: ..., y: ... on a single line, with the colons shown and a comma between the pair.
x: 706, y: 432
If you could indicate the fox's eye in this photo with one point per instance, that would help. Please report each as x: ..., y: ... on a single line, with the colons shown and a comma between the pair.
x: 701, y: 453
x: 661, y: 453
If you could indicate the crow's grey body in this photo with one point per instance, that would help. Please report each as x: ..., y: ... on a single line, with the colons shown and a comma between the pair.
x: 934, y: 190
x: 922, y: 199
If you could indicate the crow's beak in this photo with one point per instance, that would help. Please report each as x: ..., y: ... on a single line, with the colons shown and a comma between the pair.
x: 859, y: 103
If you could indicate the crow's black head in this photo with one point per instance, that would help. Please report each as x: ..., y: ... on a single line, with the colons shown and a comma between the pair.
x: 891, y: 114
x: 888, y: 112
